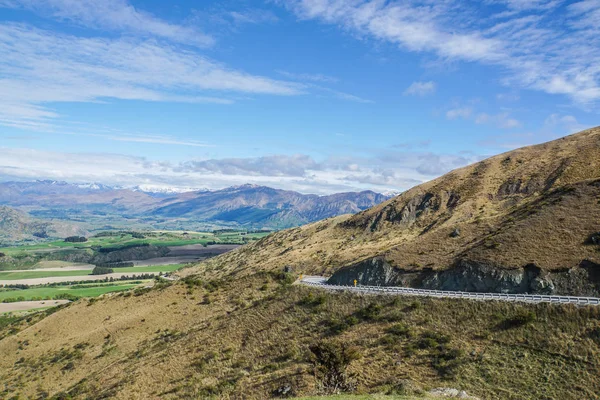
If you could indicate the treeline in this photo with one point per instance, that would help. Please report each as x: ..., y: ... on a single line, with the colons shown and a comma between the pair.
x: 115, y: 264
x: 125, y: 247
x: 134, y: 234
x: 102, y: 271
x: 75, y: 239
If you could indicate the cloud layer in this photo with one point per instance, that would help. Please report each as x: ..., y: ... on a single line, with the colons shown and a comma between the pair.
x: 390, y: 170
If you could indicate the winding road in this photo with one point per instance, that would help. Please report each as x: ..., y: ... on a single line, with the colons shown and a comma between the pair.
x: 321, y: 282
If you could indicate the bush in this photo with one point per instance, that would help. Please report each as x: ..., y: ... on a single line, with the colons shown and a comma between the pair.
x: 312, y: 300
x: 400, y: 330
x: 284, y: 278
x: 431, y: 340
x: 102, y: 271
x: 331, y: 361
x: 370, y: 312
x: 337, y: 326
x: 520, y: 319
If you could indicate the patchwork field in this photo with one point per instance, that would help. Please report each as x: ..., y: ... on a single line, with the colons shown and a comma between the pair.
x: 41, y: 273
x: 48, y: 292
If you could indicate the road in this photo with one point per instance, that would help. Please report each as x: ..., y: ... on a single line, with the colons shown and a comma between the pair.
x: 321, y: 282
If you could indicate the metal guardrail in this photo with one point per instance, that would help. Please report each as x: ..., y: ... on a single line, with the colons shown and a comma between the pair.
x: 527, y: 298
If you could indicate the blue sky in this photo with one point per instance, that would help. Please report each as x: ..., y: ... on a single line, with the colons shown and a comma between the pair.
x: 317, y: 96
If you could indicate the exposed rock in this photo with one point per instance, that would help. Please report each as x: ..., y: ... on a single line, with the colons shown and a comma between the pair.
x: 288, y: 269
x: 594, y: 239
x: 455, y: 233
x: 476, y: 276
x: 451, y: 392
x: 283, y: 391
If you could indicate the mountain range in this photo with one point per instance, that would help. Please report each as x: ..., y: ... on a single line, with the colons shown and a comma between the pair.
x: 246, y: 205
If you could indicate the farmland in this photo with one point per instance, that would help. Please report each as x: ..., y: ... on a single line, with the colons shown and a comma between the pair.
x: 48, y: 292
x: 83, y: 272
x: 120, y: 246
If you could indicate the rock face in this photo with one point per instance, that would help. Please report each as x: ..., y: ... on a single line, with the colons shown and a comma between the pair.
x: 473, y: 276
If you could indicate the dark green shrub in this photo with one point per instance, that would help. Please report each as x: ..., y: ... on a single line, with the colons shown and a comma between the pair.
x: 400, y: 330
x: 331, y: 361
x: 518, y: 320
x: 313, y: 300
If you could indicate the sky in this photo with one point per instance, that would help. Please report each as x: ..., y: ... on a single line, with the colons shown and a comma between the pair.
x: 318, y: 96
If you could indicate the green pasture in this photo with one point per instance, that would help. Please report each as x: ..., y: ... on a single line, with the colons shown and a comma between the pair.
x: 51, y: 274
x: 50, y: 292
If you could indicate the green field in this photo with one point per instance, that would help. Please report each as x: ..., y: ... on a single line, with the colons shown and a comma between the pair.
x: 154, y: 238
x: 49, y: 292
x: 51, y: 274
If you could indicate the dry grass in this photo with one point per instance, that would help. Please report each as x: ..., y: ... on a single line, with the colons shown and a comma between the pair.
x: 246, y: 338
x: 546, y: 221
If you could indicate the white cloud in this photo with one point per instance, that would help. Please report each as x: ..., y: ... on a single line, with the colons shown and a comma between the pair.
x: 565, y: 124
x: 461, y: 112
x: 39, y: 67
x: 308, y: 77
x: 501, y: 120
x: 391, y: 170
x: 116, y: 15
x: 557, y: 55
x: 421, y: 88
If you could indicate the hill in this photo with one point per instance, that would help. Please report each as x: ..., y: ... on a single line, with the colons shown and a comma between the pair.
x: 248, y: 206
x: 524, y: 221
x: 17, y: 226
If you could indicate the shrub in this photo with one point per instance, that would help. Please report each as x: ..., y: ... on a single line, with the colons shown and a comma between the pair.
x: 447, y: 361
x: 331, y: 361
x: 520, y: 319
x: 370, y: 312
x: 400, y: 330
x: 284, y: 278
x: 311, y: 300
x: 431, y: 340
x: 339, y: 326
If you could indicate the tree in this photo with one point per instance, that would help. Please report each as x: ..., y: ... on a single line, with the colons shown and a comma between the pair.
x: 102, y: 271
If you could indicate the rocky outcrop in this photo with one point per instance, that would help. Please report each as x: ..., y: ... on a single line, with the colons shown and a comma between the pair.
x: 476, y: 276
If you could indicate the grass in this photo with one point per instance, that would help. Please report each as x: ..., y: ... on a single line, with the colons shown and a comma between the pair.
x: 76, y: 273
x: 256, y: 334
x: 363, y: 397
x: 48, y: 292
x: 155, y: 238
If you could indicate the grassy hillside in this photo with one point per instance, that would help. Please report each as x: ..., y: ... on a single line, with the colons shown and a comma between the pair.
x: 534, y: 209
x: 248, y: 338
x: 17, y: 226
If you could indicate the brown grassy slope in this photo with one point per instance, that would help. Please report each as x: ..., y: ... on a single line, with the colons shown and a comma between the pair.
x: 254, y: 337
x: 535, y: 205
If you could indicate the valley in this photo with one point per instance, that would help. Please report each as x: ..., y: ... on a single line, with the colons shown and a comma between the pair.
x: 241, y: 324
